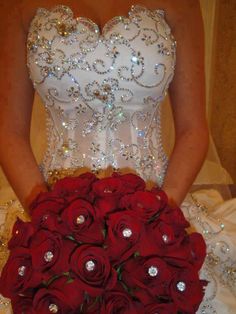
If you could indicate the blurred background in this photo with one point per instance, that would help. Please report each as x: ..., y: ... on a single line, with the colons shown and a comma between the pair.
x: 220, y: 26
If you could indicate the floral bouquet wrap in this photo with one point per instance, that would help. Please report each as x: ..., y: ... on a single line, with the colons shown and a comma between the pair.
x: 104, y: 246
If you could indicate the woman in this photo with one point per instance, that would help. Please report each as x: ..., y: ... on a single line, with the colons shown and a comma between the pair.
x: 103, y: 98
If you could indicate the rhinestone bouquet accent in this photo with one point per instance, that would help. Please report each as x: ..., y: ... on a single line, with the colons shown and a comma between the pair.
x: 101, y: 246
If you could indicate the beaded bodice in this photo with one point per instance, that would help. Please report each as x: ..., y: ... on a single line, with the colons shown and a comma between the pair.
x: 102, y: 89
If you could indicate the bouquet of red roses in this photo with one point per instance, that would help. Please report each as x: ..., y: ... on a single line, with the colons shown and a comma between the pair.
x: 104, y: 246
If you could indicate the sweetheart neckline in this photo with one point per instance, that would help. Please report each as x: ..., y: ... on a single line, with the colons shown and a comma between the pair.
x: 100, y: 29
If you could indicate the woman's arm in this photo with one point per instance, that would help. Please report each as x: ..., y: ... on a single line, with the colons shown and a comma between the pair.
x: 187, y: 95
x: 16, y: 99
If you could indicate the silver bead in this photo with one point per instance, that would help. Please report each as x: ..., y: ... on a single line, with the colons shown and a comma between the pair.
x: 134, y: 59
x: 127, y: 232
x: 90, y: 265
x: 45, y: 217
x: 107, y: 190
x: 181, y: 286
x: 53, y: 308
x: 141, y: 133
x: 48, y: 256
x: 165, y: 238
x: 153, y: 271
x: 21, y: 270
x: 109, y: 105
x: 80, y: 219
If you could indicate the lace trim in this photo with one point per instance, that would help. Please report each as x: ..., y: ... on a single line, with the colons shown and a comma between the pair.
x: 220, y: 261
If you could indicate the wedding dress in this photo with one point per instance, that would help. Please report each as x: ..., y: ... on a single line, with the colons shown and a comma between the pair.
x: 103, y: 90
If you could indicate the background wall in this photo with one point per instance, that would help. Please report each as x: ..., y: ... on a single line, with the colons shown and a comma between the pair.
x: 222, y: 93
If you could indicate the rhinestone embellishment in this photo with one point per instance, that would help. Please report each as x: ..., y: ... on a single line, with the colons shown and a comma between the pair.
x: 21, y: 270
x: 165, y: 238
x: 90, y: 265
x: 48, y: 256
x: 107, y: 190
x: 127, y: 232
x: 53, y: 308
x: 80, y: 219
x: 153, y: 271
x: 99, y: 103
x: 181, y: 286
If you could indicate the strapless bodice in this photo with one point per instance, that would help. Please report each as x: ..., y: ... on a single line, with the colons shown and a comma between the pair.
x: 102, y: 89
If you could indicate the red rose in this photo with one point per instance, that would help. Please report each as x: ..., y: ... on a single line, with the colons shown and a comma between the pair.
x: 166, y: 243
x: 91, y: 305
x: 108, y: 187
x: 82, y: 223
x: 46, y: 220
x: 22, y: 305
x: 44, y: 212
x: 48, y: 201
x: 21, y: 234
x: 174, y: 216
x: 124, y: 232
x: 145, y: 203
x: 162, y: 308
x: 89, y: 177
x: 74, y: 187
x: 50, y: 253
x: 198, y: 249
x: 18, y: 275
x: 92, y: 266
x: 118, y: 301
x: 150, y: 273
x: 132, y: 183
x: 107, y: 191
x: 187, y: 290
x: 161, y: 195
x: 61, y: 295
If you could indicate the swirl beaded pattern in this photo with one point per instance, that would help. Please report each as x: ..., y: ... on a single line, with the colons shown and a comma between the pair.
x: 102, y: 89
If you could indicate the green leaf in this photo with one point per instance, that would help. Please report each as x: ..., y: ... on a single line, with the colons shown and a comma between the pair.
x: 152, y: 218
x: 124, y: 285
x: 104, y: 231
x: 70, y: 238
x: 96, y: 300
x: 70, y: 280
x: 137, y: 253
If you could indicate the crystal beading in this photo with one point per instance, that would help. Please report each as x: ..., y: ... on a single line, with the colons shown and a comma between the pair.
x: 100, y: 88
x: 21, y: 270
x: 48, y: 256
x: 80, y: 219
x: 181, y: 286
x: 53, y: 308
x: 153, y: 271
x: 127, y: 232
x: 90, y: 265
x: 165, y: 238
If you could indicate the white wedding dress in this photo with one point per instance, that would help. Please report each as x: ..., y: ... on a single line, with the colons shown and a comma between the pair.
x: 103, y: 90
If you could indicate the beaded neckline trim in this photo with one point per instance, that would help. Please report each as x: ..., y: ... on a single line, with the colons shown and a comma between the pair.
x: 69, y: 13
